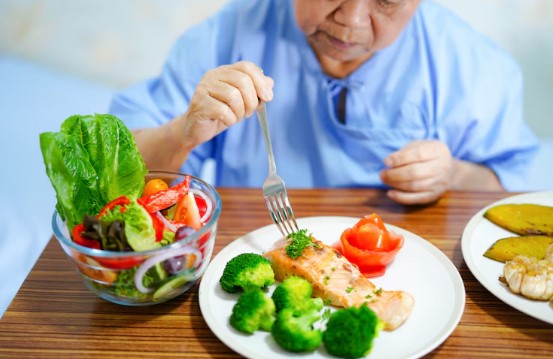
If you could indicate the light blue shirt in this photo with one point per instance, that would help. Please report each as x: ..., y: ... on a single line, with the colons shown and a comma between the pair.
x: 439, y: 80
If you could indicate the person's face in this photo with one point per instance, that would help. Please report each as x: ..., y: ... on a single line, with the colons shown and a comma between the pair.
x: 348, y: 31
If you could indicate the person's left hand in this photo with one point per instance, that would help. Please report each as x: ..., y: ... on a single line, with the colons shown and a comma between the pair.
x: 419, y: 173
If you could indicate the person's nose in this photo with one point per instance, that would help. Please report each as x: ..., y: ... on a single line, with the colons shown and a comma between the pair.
x: 353, y: 13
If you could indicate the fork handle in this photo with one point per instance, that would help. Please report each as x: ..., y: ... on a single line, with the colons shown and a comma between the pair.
x: 262, y: 117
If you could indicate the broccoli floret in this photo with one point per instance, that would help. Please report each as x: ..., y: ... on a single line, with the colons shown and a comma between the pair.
x: 298, y: 242
x: 295, y: 292
x: 247, y: 271
x: 254, y: 310
x: 294, y: 332
x: 350, y: 332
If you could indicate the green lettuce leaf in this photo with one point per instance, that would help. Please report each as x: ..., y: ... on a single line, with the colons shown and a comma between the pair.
x: 91, y: 161
x: 72, y: 176
x: 139, y: 228
x: 112, y: 152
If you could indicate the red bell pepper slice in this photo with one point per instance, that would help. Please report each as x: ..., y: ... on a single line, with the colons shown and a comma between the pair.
x: 159, y: 226
x: 166, y: 198
x: 77, y: 232
x: 119, y: 201
x: 120, y: 263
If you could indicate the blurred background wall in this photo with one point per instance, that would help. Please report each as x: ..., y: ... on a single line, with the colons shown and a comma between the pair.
x: 120, y: 42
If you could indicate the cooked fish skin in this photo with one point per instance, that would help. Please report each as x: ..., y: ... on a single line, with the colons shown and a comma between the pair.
x: 340, y: 282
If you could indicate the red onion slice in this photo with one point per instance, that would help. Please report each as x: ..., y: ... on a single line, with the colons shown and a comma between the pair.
x: 152, y: 261
x: 168, y: 224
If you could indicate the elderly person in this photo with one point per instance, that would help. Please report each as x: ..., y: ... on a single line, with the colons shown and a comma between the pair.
x: 395, y: 94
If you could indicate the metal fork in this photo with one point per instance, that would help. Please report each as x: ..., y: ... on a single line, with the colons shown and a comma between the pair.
x: 274, y: 189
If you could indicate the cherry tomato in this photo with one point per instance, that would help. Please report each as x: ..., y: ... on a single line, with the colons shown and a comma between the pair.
x: 370, y: 246
x: 94, y: 270
x: 154, y: 186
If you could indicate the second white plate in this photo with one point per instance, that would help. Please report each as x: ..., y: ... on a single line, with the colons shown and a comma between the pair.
x: 479, y: 235
x: 419, y: 268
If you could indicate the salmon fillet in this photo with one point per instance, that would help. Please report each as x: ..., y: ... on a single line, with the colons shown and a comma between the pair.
x: 339, y: 282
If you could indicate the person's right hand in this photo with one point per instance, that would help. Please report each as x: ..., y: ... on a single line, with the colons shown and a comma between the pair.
x: 223, y: 97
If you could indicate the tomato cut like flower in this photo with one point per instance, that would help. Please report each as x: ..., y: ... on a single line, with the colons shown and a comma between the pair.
x: 370, y: 246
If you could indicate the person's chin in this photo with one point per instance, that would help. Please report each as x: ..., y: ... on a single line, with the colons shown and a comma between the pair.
x: 339, y: 50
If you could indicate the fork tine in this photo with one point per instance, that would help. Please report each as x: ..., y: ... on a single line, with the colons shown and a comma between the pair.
x: 286, y: 209
x: 291, y: 218
x: 275, y: 213
x: 283, y: 213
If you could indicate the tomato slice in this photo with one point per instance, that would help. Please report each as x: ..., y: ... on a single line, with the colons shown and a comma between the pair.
x: 370, y: 246
x: 187, y: 212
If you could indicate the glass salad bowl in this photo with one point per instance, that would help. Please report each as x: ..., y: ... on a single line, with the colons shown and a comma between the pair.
x: 156, y: 275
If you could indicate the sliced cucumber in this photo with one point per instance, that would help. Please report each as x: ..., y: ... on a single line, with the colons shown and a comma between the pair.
x: 157, y: 272
x: 170, y: 285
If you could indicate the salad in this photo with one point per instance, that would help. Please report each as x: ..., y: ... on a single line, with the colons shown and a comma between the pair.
x: 110, y: 210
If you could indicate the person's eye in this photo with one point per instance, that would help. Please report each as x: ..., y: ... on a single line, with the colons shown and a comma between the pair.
x: 389, y: 3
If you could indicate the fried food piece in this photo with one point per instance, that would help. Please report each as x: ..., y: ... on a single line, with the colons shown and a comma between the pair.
x: 506, y: 249
x: 523, y: 219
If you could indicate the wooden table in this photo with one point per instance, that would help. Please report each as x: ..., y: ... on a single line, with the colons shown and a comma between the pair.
x: 55, y: 316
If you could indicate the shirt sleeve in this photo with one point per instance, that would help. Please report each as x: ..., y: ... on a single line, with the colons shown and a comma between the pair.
x: 511, y: 141
x: 497, y: 135
x: 480, y: 109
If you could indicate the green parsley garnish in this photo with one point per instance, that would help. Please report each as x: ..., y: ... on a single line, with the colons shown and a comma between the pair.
x: 349, y: 289
x: 298, y: 242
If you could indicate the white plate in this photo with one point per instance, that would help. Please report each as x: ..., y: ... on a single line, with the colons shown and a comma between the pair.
x: 479, y: 235
x: 419, y: 268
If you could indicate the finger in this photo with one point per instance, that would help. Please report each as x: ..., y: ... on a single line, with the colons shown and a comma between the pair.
x: 427, y: 184
x: 228, y: 86
x: 205, y: 107
x: 412, y: 172
x: 414, y: 152
x: 412, y: 198
x: 241, y: 94
x: 263, y: 84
